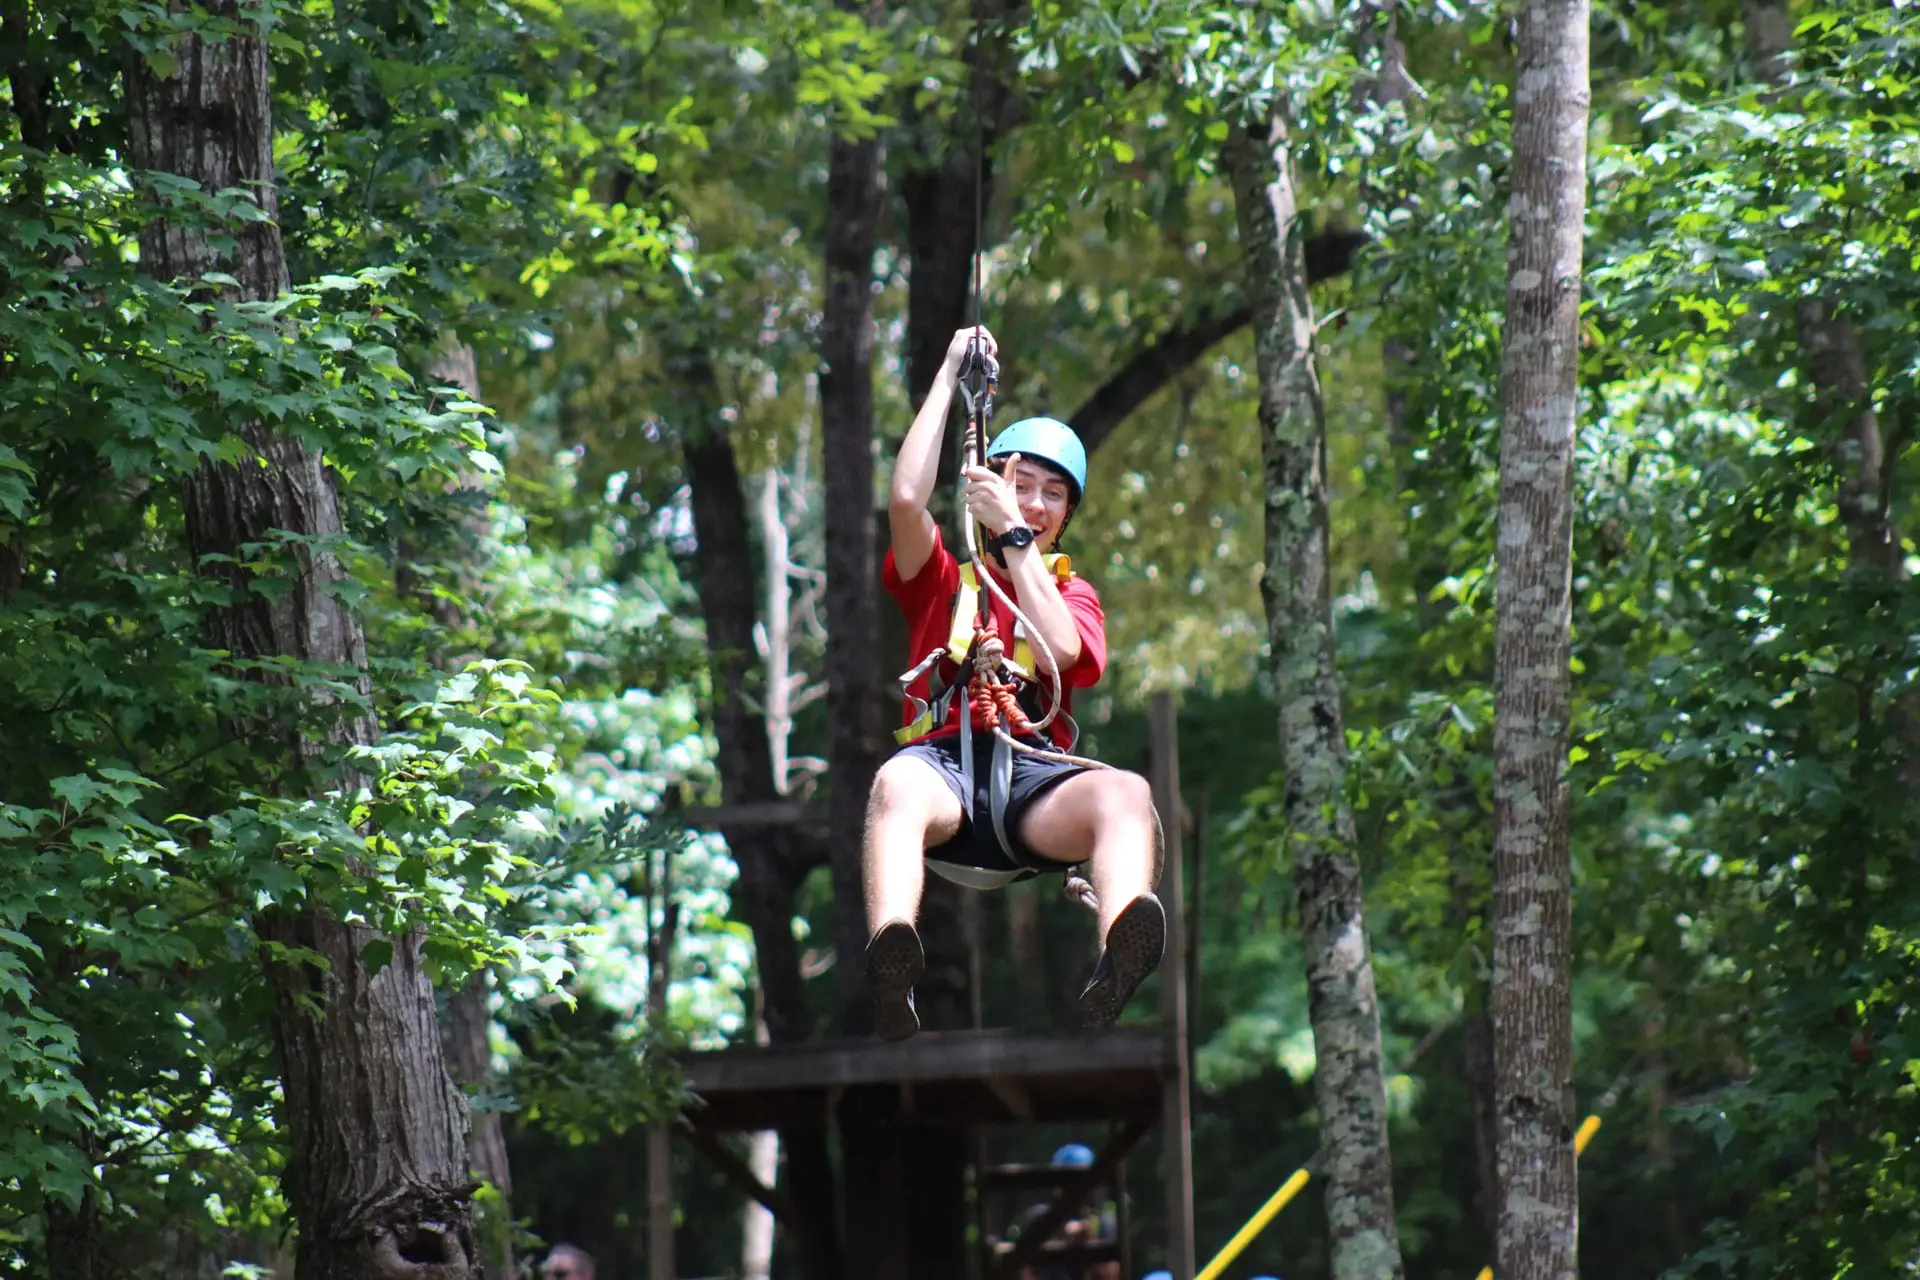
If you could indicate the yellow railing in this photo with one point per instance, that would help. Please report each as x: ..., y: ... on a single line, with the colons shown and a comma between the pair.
x: 1291, y: 1188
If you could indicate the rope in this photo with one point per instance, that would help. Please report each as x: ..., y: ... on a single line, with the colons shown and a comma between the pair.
x: 994, y: 701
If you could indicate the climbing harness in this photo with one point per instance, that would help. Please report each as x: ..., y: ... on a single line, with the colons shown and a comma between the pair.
x: 933, y: 710
x: 994, y: 681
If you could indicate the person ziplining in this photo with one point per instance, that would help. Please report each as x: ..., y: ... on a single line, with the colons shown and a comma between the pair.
x: 985, y: 789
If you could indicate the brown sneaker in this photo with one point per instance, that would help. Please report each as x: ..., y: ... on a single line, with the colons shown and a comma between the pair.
x: 1135, y: 943
x: 895, y: 961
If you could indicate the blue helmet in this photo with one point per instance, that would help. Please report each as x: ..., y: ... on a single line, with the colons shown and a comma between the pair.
x: 1158, y: 1275
x: 1074, y: 1154
x: 1046, y: 440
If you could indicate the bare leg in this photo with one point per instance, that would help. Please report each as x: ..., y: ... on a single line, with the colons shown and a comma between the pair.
x: 1126, y: 860
x: 909, y: 811
x: 1106, y: 819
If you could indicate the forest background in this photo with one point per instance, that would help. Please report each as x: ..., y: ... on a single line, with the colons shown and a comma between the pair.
x: 606, y: 316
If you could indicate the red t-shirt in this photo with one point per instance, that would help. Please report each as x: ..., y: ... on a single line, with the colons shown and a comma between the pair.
x: 928, y: 601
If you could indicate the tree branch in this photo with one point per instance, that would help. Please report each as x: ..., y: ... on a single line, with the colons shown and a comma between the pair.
x: 1328, y: 255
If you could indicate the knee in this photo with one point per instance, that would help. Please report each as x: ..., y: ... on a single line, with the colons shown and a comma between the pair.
x: 900, y: 786
x: 1128, y: 795
x: 1119, y: 800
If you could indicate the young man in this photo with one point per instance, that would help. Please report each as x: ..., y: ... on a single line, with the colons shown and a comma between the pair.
x: 1006, y: 818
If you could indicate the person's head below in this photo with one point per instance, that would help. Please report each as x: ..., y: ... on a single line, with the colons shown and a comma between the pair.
x: 567, y: 1262
x: 1049, y: 477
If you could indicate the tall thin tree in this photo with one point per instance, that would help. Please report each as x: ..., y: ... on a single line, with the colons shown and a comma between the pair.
x: 1532, y: 679
x: 856, y: 735
x: 1349, y: 1076
x: 876, y: 1240
x: 377, y: 1176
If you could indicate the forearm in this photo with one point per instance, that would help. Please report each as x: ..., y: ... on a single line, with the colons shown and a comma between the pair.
x: 916, y: 468
x: 1046, y: 611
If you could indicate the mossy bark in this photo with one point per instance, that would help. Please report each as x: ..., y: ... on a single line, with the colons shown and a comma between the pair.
x: 1349, y: 1076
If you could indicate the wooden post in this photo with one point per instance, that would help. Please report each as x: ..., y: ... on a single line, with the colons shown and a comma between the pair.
x: 1196, y: 920
x: 1176, y: 1117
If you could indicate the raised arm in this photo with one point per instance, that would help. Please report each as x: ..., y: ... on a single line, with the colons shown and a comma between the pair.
x: 916, y: 468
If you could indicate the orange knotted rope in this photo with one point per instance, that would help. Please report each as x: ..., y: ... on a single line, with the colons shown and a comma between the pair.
x: 993, y: 702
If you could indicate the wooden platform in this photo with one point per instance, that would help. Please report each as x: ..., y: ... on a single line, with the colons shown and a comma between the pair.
x: 950, y: 1077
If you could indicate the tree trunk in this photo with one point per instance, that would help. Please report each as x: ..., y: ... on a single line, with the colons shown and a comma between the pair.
x: 377, y: 1174
x: 757, y: 1222
x: 1533, y: 947
x: 466, y: 1022
x: 855, y: 698
x: 772, y: 861
x: 870, y: 1138
x: 470, y: 1061
x: 1349, y: 1077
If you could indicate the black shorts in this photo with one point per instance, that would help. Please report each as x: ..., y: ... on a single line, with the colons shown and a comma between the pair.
x: 974, y: 857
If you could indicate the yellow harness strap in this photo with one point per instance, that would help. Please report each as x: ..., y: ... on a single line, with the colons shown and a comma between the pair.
x: 966, y: 607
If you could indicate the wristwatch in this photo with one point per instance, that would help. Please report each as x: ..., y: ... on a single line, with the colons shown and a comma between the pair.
x: 1018, y: 536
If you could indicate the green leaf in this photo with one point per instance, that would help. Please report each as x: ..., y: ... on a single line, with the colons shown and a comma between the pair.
x: 163, y: 62
x: 377, y: 955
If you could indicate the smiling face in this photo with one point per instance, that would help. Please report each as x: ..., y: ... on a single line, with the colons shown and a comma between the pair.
x: 1046, y: 499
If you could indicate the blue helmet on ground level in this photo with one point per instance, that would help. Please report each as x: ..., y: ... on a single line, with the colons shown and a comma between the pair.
x: 1046, y: 440
x: 1076, y: 1154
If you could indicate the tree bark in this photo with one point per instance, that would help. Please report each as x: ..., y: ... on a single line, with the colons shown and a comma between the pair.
x: 757, y: 1222
x: 1533, y: 950
x: 855, y: 701
x: 377, y: 1174
x: 1349, y: 1076
x: 870, y: 1138
x: 855, y: 733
